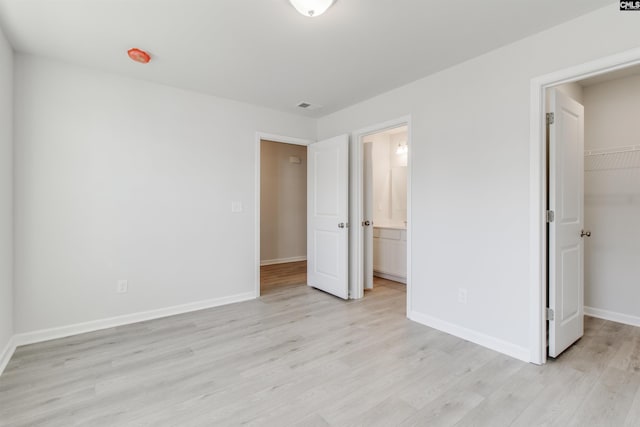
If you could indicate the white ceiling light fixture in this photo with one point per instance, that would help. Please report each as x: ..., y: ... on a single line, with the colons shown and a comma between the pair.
x: 312, y: 8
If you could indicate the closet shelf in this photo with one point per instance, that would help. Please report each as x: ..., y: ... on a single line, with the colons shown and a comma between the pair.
x: 612, y: 158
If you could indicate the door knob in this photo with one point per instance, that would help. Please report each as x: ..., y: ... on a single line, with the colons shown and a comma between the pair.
x: 366, y: 223
x: 341, y: 225
x: 585, y: 233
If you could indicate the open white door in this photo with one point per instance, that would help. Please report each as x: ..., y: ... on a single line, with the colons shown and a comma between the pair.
x: 566, y: 202
x: 328, y: 213
x: 367, y: 213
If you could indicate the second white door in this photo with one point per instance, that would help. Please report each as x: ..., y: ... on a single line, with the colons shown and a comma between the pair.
x: 566, y: 202
x: 367, y: 213
x: 328, y: 213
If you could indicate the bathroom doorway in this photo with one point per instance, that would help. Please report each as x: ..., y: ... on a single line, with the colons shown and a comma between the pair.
x: 382, y: 179
x: 385, y: 205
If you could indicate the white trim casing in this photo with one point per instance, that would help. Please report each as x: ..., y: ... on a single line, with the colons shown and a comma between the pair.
x: 392, y: 277
x: 6, y: 354
x: 283, y: 260
x: 520, y: 353
x: 275, y: 138
x: 537, y: 187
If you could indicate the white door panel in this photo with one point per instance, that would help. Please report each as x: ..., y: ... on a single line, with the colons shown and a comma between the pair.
x: 327, y: 246
x: 327, y: 207
x: 566, y: 200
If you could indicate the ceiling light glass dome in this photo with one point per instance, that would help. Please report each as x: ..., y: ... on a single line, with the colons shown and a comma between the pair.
x: 312, y: 8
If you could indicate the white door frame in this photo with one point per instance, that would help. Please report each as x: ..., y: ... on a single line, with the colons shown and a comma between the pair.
x: 538, y: 190
x: 260, y: 136
x: 357, y: 275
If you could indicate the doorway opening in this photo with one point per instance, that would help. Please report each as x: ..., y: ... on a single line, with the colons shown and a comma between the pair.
x: 587, y: 203
x: 384, y: 183
x: 281, y: 212
x: 382, y: 208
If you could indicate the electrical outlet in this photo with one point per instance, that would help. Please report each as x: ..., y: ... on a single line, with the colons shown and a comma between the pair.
x: 236, y: 207
x: 122, y: 286
x: 462, y: 295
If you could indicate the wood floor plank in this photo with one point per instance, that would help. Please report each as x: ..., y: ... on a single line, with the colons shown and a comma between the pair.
x: 610, y: 400
x: 446, y: 410
x: 554, y: 406
x: 633, y: 417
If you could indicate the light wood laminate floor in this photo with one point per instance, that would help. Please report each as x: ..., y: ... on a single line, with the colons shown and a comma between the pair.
x: 278, y: 276
x: 300, y: 357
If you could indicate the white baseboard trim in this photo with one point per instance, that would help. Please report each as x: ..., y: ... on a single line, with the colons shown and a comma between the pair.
x: 283, y: 260
x: 476, y: 337
x: 96, y: 325
x: 6, y: 354
x: 613, y: 316
x: 390, y: 277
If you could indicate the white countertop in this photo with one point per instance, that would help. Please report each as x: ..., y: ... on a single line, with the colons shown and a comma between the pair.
x: 391, y: 226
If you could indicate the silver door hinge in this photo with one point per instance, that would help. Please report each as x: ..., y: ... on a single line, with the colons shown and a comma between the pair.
x: 550, y: 314
x: 551, y: 118
x: 550, y: 216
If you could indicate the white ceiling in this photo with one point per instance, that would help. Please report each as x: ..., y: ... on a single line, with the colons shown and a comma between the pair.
x: 265, y: 53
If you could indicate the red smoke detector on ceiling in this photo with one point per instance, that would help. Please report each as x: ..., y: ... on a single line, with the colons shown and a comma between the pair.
x: 139, y: 55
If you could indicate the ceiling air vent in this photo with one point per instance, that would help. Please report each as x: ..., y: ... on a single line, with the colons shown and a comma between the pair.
x: 308, y: 106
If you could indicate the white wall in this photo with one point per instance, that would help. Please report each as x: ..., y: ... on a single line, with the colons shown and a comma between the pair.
x: 470, y: 179
x: 612, y: 108
x: 574, y: 90
x: 398, y: 160
x: 122, y: 179
x: 398, y: 163
x: 6, y: 194
x: 283, y: 202
x: 385, y: 159
x: 612, y: 199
